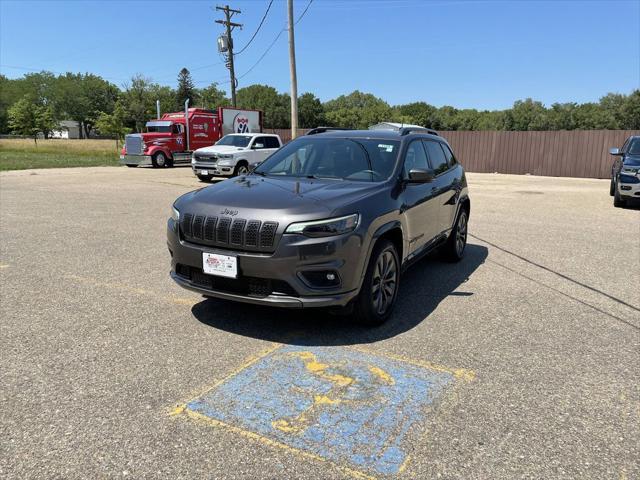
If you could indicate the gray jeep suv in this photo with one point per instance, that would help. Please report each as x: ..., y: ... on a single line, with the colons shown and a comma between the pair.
x: 329, y: 220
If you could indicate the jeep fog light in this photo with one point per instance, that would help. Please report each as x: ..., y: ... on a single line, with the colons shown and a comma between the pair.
x: 326, y: 228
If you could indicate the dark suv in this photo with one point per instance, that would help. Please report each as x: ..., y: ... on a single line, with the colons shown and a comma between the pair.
x: 329, y: 220
x: 625, y: 172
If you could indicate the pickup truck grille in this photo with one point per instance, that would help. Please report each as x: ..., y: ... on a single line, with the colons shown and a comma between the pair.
x: 228, y: 232
x: 133, y: 144
x: 206, y: 157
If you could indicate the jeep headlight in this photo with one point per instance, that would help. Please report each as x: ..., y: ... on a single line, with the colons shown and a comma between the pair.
x: 175, y: 214
x: 193, y: 158
x: 326, y: 228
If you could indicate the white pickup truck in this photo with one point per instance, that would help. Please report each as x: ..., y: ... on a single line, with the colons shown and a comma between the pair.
x: 234, y: 154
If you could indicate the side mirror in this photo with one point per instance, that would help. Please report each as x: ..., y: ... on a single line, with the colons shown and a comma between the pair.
x: 418, y: 175
x: 615, y: 151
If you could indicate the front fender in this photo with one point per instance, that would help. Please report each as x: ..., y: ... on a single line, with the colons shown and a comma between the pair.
x: 379, y: 232
x: 153, y: 149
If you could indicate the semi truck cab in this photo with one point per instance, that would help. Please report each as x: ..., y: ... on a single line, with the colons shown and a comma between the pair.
x: 172, y: 138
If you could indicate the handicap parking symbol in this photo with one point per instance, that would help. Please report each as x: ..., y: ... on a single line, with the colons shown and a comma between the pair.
x: 338, y: 404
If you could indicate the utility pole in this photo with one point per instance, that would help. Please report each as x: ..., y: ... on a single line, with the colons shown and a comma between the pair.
x: 292, y: 68
x: 228, y: 48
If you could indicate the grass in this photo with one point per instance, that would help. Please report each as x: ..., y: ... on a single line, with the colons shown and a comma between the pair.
x: 21, y: 154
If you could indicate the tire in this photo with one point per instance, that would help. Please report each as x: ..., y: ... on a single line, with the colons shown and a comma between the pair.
x: 159, y: 160
x: 457, y: 241
x: 612, y: 188
x: 618, y: 201
x: 131, y: 166
x: 373, y: 306
x: 204, y: 178
x: 242, y: 168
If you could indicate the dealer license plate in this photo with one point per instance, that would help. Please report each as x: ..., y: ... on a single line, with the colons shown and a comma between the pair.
x: 204, y: 172
x: 221, y: 265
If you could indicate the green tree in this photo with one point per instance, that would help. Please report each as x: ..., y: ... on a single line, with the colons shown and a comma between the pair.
x: 310, y: 111
x: 212, y: 97
x: 26, y: 117
x: 114, y: 123
x: 186, y: 90
x: 167, y: 97
x: 562, y: 116
x: 527, y: 115
x: 591, y: 116
x: 418, y: 113
x: 22, y: 118
x: 357, y: 110
x: 276, y: 107
x: 631, y: 112
x: 82, y: 97
x: 137, y: 100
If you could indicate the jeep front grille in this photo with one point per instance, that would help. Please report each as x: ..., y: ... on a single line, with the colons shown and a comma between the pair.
x: 228, y: 232
x: 133, y: 144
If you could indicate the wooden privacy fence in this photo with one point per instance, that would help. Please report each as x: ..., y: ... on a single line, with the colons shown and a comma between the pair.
x: 564, y: 153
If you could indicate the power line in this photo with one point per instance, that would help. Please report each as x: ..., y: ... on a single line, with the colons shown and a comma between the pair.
x: 303, y: 12
x: 275, y: 40
x: 264, y: 54
x: 257, y: 30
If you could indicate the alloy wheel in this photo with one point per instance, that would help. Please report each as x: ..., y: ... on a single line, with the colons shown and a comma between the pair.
x: 461, y: 233
x: 385, y: 281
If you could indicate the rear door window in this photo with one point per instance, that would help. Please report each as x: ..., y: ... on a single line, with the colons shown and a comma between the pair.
x: 436, y: 156
x: 451, y: 160
x: 271, y: 142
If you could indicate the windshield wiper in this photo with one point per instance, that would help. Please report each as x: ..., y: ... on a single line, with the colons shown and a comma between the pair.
x: 318, y: 177
x: 262, y: 174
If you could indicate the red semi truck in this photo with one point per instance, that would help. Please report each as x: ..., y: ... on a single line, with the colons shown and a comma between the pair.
x: 172, y: 138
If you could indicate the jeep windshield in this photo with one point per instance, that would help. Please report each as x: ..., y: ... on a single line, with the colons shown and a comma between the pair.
x: 634, y: 149
x: 234, y: 140
x: 359, y: 159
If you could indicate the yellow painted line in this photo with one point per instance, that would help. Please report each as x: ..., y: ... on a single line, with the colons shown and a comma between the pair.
x: 3, y: 266
x: 383, y: 376
x: 247, y: 363
x: 463, y: 374
x: 134, y: 290
x: 403, y: 467
x: 317, y: 368
x: 273, y: 443
x: 182, y: 409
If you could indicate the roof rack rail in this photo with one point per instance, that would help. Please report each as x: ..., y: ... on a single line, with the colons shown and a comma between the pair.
x: 407, y: 130
x: 316, y: 130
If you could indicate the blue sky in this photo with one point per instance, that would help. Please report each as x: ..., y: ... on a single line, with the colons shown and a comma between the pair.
x: 476, y: 54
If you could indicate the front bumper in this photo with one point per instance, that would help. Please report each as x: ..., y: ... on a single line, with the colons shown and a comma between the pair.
x: 294, y: 255
x: 212, y: 169
x: 631, y: 190
x: 135, y: 159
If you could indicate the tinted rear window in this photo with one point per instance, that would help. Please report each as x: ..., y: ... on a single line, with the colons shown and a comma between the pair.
x: 436, y: 157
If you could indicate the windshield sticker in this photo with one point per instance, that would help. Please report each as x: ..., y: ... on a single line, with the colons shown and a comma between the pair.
x: 386, y: 148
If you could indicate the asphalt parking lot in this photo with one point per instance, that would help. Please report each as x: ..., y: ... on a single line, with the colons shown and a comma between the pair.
x: 522, y: 361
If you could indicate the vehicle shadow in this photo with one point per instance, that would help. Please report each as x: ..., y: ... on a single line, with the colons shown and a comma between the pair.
x: 422, y: 288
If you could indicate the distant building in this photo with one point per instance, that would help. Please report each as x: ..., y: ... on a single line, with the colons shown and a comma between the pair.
x: 392, y: 126
x: 66, y: 129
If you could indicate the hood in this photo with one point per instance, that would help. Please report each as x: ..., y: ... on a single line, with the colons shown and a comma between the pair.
x: 220, y: 149
x: 155, y: 137
x: 272, y: 199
